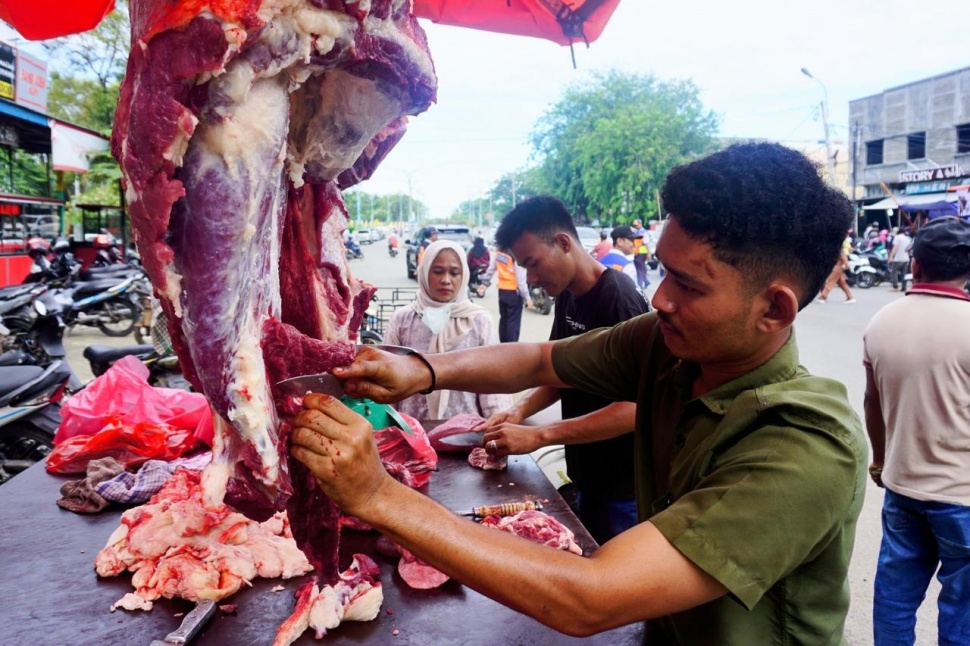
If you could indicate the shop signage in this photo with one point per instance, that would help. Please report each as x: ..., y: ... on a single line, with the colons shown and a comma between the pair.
x: 930, y: 174
x: 927, y: 187
x: 31, y: 82
x: 8, y: 72
x: 9, y: 209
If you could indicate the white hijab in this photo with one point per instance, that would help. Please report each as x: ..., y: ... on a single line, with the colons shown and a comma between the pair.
x: 449, y: 322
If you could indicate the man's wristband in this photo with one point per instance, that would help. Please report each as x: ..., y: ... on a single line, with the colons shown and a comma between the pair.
x: 434, y: 378
x: 874, y: 471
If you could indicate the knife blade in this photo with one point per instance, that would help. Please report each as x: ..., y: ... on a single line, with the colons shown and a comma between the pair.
x: 468, y: 440
x: 191, y: 624
x: 322, y: 383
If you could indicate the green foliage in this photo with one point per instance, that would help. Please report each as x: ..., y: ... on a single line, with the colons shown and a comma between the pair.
x: 22, y: 173
x: 607, y: 145
x: 367, y: 207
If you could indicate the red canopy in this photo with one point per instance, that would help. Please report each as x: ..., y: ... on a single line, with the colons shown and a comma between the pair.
x: 580, y: 21
x: 43, y: 19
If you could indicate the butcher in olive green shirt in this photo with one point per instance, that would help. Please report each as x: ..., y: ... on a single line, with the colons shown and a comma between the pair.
x: 749, y: 470
x: 764, y: 485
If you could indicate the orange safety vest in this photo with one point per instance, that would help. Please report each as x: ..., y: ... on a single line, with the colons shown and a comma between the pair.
x: 505, y: 267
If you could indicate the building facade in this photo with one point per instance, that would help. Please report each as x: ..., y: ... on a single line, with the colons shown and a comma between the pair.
x: 912, y: 144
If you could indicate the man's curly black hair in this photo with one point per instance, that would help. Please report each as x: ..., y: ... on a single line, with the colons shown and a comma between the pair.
x: 766, y: 211
x: 543, y: 216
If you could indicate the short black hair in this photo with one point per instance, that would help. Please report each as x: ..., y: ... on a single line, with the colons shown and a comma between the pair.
x: 765, y: 210
x: 543, y: 216
x: 942, y: 248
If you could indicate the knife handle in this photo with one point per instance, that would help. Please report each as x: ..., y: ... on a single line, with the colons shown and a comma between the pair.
x: 192, y: 622
x: 506, y: 509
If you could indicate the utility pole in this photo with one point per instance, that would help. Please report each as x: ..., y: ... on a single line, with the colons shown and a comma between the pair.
x: 829, y: 160
x: 854, y: 136
x: 512, y: 179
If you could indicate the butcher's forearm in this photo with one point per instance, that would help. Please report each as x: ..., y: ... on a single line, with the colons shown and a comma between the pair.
x: 502, y: 368
x: 603, y: 424
x: 557, y: 588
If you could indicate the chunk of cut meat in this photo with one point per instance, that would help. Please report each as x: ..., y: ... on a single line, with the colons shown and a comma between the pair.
x: 482, y: 459
x: 239, y: 121
x: 177, y: 547
x: 415, y: 572
x: 356, y: 596
x: 537, y: 527
x: 462, y: 423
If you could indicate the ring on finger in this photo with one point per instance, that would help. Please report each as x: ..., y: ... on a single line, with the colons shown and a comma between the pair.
x: 493, y: 445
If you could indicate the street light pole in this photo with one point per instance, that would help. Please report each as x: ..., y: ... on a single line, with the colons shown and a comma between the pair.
x: 829, y: 161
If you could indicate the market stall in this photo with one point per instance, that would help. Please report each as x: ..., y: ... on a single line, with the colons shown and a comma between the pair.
x: 52, y: 593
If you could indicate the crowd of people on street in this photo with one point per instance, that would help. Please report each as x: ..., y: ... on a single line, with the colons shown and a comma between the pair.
x: 721, y: 479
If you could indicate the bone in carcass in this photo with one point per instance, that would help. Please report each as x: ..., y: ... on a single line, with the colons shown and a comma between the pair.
x: 238, y: 124
x: 356, y: 596
x: 176, y: 547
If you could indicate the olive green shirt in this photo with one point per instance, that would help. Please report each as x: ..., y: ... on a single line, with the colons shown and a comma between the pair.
x: 759, y: 482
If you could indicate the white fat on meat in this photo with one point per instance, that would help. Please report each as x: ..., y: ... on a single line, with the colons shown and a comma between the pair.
x: 176, y: 547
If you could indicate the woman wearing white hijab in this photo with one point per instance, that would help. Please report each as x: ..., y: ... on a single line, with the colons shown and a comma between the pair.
x: 443, y: 319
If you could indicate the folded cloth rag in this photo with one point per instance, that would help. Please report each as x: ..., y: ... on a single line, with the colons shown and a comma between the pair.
x: 80, y: 496
x: 136, y: 488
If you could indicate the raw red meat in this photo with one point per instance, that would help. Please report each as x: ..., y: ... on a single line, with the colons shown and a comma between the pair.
x: 538, y: 527
x: 407, y: 456
x: 482, y: 459
x: 238, y: 124
x: 458, y: 424
x: 415, y: 572
x: 176, y: 547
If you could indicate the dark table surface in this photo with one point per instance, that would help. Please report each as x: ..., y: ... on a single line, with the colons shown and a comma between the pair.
x: 51, y: 595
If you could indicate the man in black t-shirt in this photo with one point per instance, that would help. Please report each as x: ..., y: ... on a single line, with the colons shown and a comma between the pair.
x: 541, y: 235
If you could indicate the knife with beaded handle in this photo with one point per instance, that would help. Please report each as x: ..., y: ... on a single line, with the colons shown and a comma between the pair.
x: 191, y: 625
x: 505, y: 509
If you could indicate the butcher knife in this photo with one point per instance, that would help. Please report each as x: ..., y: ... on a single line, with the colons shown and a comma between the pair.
x: 191, y: 624
x: 469, y: 440
x: 324, y: 383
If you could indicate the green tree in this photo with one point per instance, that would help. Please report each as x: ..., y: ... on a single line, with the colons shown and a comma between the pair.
x: 382, y: 208
x: 606, y: 146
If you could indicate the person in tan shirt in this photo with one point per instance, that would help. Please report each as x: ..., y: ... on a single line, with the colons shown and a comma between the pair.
x: 917, y: 406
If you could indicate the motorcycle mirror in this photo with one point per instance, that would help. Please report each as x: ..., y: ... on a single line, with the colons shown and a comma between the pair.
x: 41, y: 308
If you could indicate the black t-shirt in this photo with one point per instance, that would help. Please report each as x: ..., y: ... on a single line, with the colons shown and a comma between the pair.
x: 605, y: 467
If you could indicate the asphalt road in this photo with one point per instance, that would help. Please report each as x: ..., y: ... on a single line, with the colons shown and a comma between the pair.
x: 830, y: 342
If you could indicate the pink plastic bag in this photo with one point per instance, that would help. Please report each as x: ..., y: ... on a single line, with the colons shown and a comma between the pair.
x: 122, y: 396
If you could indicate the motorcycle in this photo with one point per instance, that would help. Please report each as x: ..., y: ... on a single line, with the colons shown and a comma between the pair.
x: 476, y: 286
x: 860, y: 272
x: 30, y: 399
x: 109, y: 304
x: 164, y: 371
x: 370, y: 326
x: 353, y: 250
x: 392, y: 249
x: 883, y: 272
x: 541, y: 300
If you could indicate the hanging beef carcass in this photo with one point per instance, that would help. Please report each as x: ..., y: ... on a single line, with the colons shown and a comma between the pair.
x: 238, y: 124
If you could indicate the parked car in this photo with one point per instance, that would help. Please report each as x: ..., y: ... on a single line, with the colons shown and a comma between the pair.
x: 364, y: 236
x: 457, y: 233
x: 588, y: 237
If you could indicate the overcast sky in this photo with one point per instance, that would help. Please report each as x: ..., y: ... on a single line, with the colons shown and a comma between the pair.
x: 745, y: 55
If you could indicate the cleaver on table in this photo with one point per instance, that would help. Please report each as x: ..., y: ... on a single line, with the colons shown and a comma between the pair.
x: 191, y: 624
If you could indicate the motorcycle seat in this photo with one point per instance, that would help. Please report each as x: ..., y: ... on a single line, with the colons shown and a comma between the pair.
x: 13, y: 291
x: 99, y: 273
x: 105, y: 354
x: 80, y: 290
x: 14, y: 377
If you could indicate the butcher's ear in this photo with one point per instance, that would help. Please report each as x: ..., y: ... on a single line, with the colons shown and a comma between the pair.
x: 564, y: 241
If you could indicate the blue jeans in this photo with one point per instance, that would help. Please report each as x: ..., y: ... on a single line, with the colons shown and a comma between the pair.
x: 918, y: 536
x: 606, y: 517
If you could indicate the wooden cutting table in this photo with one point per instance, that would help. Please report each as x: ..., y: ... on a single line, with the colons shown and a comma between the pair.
x: 51, y: 594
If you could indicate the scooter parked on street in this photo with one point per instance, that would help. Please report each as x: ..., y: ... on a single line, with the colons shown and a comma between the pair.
x: 30, y: 399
